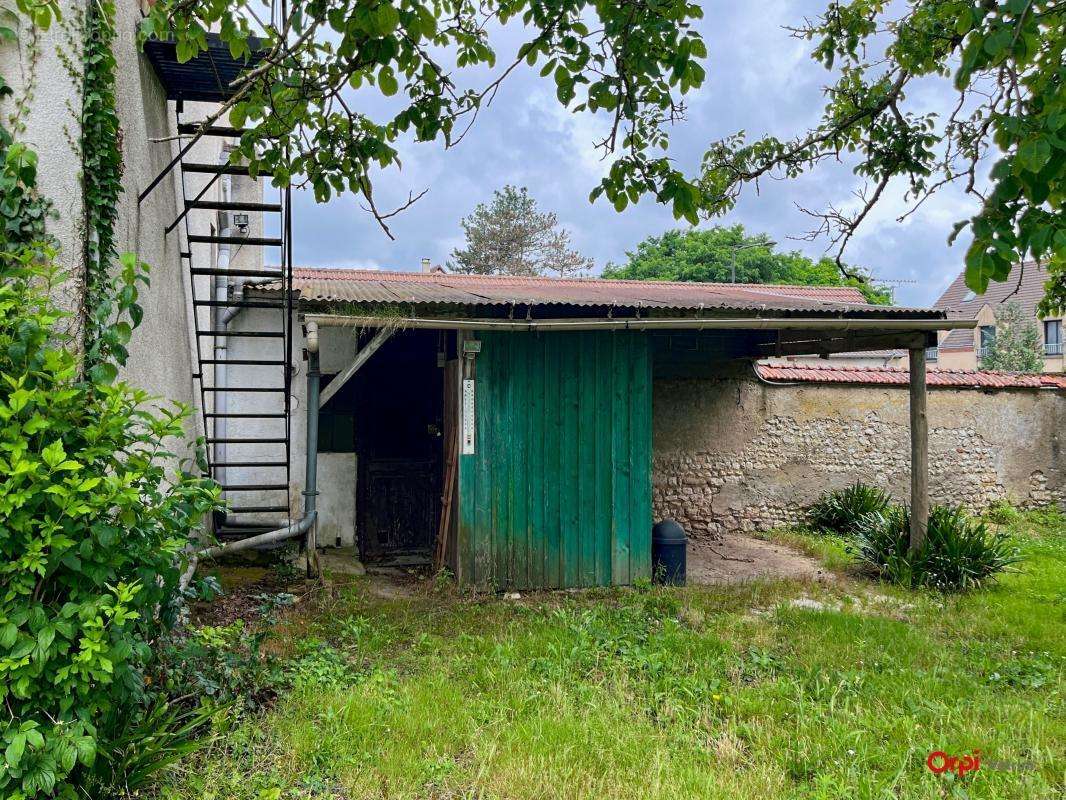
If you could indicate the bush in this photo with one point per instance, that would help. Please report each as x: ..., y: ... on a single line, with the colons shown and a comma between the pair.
x: 1002, y: 512
x: 223, y: 665
x: 843, y: 510
x: 959, y: 552
x: 92, y: 530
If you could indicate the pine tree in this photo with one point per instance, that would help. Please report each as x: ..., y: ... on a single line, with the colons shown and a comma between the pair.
x: 1016, y: 346
x: 510, y: 236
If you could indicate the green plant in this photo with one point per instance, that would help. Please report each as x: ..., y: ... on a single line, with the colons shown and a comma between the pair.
x: 223, y: 664
x: 842, y: 511
x: 959, y: 552
x: 101, y: 171
x: 1002, y: 512
x: 318, y: 664
x: 150, y: 741
x: 94, y: 527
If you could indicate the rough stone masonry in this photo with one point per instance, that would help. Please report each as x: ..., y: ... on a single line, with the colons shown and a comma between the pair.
x: 736, y: 454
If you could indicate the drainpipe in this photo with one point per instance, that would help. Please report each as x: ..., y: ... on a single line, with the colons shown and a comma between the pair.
x: 305, y: 525
x: 222, y: 320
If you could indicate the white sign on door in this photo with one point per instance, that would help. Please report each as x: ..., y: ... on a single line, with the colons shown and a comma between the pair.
x: 468, y: 416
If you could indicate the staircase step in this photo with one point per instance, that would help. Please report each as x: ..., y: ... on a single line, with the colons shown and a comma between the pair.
x: 255, y: 509
x: 246, y: 273
x: 246, y: 414
x: 240, y: 304
x: 259, y: 241
x: 245, y: 389
x: 247, y: 362
x: 221, y: 169
x: 211, y: 130
x: 271, y: 464
x: 253, y: 487
x: 220, y: 205
x: 245, y: 440
x: 243, y: 334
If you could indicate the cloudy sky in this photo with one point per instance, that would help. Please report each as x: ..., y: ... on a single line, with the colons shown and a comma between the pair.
x: 759, y: 80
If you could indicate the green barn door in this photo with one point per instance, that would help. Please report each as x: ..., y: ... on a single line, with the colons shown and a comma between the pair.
x: 558, y: 490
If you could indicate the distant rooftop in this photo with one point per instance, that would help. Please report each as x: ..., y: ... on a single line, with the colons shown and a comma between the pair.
x: 900, y: 376
x: 1024, y: 286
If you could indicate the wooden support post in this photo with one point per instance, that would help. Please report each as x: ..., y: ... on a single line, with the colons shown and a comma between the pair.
x: 919, y: 449
x: 360, y: 358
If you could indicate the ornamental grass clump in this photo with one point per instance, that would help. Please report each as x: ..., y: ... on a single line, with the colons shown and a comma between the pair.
x: 959, y: 552
x: 843, y: 511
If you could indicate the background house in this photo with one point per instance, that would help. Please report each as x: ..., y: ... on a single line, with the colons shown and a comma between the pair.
x: 961, y: 349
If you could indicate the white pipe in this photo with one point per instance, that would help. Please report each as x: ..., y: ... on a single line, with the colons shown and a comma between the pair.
x: 719, y: 323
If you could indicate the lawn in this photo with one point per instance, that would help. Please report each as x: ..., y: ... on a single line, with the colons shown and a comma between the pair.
x: 777, y: 689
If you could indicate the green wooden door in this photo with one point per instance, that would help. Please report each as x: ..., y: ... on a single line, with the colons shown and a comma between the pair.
x: 558, y: 491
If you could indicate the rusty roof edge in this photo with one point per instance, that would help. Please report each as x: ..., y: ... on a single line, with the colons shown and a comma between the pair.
x: 843, y: 324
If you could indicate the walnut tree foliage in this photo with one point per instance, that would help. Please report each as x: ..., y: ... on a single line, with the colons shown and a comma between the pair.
x: 629, y: 61
x: 1016, y: 347
x: 1003, y: 137
x: 510, y: 236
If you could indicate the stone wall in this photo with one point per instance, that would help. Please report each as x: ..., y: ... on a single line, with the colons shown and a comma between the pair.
x: 733, y: 453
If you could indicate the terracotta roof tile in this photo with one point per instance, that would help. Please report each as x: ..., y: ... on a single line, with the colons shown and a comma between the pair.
x: 380, y: 286
x: 899, y: 376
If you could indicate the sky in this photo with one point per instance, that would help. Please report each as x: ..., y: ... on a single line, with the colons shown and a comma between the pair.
x: 759, y: 79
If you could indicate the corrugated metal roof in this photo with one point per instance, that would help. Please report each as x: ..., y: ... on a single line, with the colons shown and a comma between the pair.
x: 374, y: 286
x: 899, y: 376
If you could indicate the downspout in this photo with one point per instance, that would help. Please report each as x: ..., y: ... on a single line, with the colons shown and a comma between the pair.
x: 222, y: 320
x: 305, y: 525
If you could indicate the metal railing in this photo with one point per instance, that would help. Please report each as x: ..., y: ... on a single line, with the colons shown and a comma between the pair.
x: 1053, y: 348
x: 932, y: 353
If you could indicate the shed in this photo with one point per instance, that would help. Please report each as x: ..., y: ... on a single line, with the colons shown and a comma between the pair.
x: 503, y: 426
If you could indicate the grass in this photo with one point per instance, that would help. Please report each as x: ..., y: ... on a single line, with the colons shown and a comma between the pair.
x: 700, y: 692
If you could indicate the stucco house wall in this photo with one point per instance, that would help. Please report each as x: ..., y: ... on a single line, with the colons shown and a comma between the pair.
x: 732, y: 453
x: 162, y: 350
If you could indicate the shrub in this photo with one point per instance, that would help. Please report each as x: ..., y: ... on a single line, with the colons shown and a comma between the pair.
x: 92, y: 528
x: 1002, y: 512
x: 223, y: 665
x: 959, y: 552
x: 843, y: 510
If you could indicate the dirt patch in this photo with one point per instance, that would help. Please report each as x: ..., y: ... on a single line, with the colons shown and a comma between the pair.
x: 736, y: 558
x: 245, y: 592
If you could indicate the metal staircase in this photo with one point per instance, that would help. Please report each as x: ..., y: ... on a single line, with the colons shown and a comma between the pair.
x: 246, y: 418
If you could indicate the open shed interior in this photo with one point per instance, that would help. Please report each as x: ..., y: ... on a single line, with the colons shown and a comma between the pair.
x: 391, y: 415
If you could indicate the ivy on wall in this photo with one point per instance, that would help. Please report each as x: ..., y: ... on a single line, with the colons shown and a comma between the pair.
x: 23, y: 211
x: 101, y: 182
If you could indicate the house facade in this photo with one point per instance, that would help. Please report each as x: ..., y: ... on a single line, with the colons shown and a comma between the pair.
x: 962, y: 349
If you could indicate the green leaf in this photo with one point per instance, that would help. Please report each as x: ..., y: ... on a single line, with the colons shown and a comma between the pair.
x: 103, y: 374
x: 387, y: 82
x: 17, y: 746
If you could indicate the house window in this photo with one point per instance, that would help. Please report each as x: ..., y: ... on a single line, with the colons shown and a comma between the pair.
x: 1053, y: 337
x: 932, y: 353
x: 988, y: 336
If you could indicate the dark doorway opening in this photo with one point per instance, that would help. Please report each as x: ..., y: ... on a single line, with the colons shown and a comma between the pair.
x: 397, y: 401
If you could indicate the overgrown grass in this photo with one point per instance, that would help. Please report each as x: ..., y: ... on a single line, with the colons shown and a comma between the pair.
x: 734, y: 692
